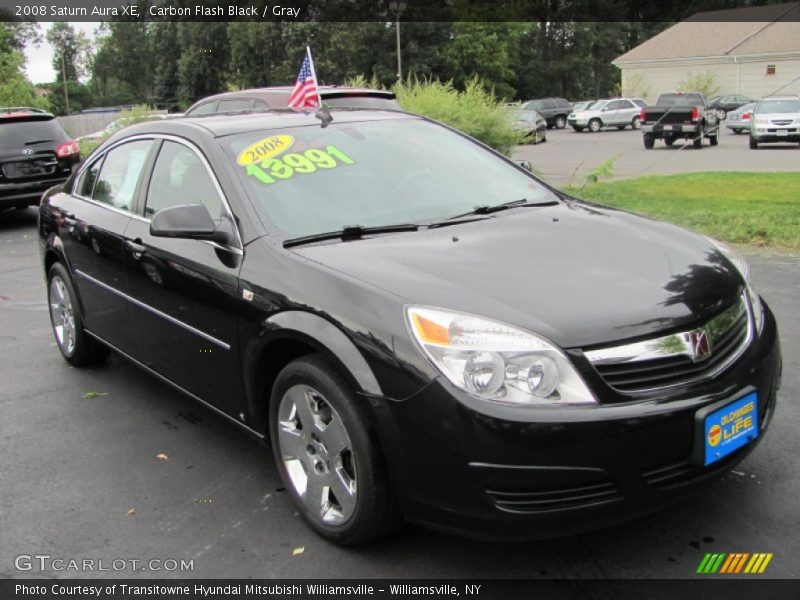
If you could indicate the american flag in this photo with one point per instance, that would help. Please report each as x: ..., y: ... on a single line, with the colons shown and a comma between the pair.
x: 305, y: 94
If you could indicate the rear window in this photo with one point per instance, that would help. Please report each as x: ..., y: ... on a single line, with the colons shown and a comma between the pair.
x: 680, y: 100
x: 778, y: 106
x: 361, y: 102
x: 30, y: 133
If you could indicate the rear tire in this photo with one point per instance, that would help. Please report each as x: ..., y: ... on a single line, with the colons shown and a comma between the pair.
x: 77, y: 347
x: 753, y: 143
x: 698, y: 142
x: 312, y: 407
x: 636, y: 123
x: 595, y: 125
x: 560, y: 122
x: 648, y: 140
x: 713, y: 140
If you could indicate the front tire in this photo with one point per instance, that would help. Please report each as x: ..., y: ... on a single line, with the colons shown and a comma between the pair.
x: 753, y: 143
x: 560, y: 122
x: 595, y: 125
x: 328, y: 455
x: 77, y: 347
x: 648, y: 140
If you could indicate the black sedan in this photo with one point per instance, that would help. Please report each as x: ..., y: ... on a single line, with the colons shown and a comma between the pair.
x: 422, y: 329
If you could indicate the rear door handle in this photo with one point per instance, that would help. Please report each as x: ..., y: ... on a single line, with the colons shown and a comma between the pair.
x: 135, y: 248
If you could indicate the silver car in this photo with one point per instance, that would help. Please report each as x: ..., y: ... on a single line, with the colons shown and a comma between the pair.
x: 738, y: 120
x: 775, y: 119
x: 610, y: 112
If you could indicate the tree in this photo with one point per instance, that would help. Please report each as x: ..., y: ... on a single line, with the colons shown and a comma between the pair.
x: 15, y: 89
x: 164, y: 44
x: 202, y: 60
x: 71, y: 51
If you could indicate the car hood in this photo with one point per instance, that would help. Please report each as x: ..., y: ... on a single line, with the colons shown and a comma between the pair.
x: 577, y: 274
x: 778, y: 116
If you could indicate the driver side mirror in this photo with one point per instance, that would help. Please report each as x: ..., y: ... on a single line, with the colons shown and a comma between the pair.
x: 188, y: 221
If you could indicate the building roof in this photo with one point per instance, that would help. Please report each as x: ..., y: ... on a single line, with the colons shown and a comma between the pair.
x: 736, y: 32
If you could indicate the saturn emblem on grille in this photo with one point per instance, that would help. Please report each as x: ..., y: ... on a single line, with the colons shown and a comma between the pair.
x: 700, y: 344
x: 27, y: 151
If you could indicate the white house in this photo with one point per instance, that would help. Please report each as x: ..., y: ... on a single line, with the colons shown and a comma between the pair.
x: 751, y: 51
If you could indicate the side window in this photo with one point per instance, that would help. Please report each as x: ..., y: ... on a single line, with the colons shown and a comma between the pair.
x: 203, y: 109
x: 120, y: 174
x: 549, y: 103
x: 613, y: 105
x: 235, y: 105
x: 88, y: 177
x: 625, y: 104
x: 180, y: 177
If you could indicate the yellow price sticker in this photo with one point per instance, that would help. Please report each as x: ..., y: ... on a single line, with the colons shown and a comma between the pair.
x: 265, y: 148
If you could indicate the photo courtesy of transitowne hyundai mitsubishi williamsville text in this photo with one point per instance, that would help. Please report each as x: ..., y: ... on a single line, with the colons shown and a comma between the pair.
x: 420, y: 328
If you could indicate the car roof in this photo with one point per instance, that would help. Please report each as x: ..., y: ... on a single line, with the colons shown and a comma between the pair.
x: 220, y: 125
x: 787, y: 97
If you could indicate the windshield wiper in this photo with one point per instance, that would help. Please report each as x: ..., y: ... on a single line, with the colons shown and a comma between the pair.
x: 354, y: 232
x: 486, y: 209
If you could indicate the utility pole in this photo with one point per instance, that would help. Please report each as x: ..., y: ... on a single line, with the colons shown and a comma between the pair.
x: 398, y: 6
x: 62, y: 38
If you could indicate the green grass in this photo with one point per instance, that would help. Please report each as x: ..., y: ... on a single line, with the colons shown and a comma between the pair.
x: 761, y: 209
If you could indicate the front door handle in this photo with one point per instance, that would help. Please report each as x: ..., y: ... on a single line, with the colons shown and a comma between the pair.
x: 135, y: 248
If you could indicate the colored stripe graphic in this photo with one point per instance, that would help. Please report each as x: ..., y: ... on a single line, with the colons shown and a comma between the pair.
x: 734, y: 563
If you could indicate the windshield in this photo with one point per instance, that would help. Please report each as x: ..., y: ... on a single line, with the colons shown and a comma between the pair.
x: 310, y: 180
x: 16, y: 134
x: 778, y: 106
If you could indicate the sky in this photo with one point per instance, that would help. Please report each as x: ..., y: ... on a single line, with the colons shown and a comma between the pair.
x: 39, y: 63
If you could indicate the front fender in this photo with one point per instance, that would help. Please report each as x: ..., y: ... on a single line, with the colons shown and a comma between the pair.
x: 334, y: 340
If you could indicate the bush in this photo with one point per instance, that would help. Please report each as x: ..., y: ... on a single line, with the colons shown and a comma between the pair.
x: 475, y: 111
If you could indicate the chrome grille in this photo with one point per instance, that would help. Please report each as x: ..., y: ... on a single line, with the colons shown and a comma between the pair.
x: 678, y: 358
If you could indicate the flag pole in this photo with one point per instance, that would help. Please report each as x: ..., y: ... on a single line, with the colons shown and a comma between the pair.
x: 314, y: 75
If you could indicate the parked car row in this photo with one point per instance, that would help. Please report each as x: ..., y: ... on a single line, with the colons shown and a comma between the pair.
x: 689, y: 116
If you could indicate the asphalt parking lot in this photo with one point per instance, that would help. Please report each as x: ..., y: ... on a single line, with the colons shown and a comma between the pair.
x: 567, y: 157
x: 80, y: 477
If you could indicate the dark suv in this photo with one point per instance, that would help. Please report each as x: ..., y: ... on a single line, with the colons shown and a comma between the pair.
x: 554, y: 110
x: 258, y: 99
x: 35, y: 154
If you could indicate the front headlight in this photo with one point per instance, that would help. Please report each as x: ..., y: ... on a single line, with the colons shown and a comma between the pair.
x: 495, y: 361
x: 744, y: 269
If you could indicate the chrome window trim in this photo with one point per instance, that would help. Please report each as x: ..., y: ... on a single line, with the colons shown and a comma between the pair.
x: 155, y: 311
x: 676, y: 344
x: 237, y: 249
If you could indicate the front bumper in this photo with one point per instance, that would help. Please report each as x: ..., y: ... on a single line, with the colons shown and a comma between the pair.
x: 775, y: 134
x: 505, y: 474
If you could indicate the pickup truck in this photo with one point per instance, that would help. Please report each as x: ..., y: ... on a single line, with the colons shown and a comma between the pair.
x: 679, y: 115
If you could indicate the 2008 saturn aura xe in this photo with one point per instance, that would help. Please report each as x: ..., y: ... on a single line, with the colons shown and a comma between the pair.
x: 420, y: 328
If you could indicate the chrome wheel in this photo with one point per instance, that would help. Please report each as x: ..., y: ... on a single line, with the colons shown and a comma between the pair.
x: 317, y: 453
x: 62, y: 315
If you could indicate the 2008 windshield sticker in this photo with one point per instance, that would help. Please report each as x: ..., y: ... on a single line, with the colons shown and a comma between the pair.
x: 265, y: 159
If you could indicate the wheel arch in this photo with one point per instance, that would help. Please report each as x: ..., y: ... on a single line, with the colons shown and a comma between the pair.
x: 287, y: 336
